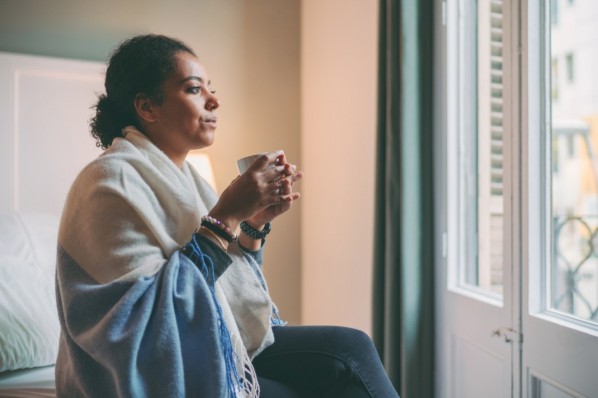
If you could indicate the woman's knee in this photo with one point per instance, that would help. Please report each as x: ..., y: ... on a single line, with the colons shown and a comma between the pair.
x: 340, y: 342
x: 356, y: 335
x: 350, y: 338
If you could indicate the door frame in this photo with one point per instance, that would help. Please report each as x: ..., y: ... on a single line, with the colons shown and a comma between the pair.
x: 456, y: 306
x: 544, y: 328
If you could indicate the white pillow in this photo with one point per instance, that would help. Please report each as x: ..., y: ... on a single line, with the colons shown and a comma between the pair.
x: 29, y: 327
x: 31, y: 237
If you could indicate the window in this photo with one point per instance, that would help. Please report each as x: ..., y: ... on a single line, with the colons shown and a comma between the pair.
x: 481, y: 148
x: 518, y: 226
x: 573, y: 273
x: 555, y: 79
x: 554, y: 12
x: 490, y: 146
x: 570, y: 67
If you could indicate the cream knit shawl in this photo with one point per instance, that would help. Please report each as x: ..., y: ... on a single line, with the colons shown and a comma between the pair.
x: 132, y: 208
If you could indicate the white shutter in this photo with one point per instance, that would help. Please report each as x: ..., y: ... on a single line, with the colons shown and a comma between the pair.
x: 490, y: 145
x: 496, y: 101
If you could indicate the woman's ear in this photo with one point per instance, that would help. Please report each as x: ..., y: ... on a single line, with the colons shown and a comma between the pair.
x: 145, y: 108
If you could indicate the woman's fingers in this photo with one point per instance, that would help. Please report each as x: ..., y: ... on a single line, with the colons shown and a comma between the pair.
x: 281, y: 186
x: 264, y: 191
x: 269, y: 180
x: 273, y: 174
x: 286, y: 202
x: 296, y: 176
x: 284, y: 185
x: 267, y: 159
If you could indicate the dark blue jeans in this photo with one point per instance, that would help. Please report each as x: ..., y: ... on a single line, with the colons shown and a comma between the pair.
x: 322, y: 361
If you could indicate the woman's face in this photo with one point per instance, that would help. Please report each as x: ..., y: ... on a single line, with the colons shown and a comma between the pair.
x: 185, y: 119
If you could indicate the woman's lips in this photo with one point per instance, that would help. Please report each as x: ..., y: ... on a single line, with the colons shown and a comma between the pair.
x: 210, y: 121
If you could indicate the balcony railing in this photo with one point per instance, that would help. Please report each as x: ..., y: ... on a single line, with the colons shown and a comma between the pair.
x: 574, y: 276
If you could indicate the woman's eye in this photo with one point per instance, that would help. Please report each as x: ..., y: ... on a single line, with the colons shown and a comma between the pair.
x: 197, y: 90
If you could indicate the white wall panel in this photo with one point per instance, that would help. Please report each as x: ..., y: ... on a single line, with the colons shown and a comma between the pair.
x: 44, y: 135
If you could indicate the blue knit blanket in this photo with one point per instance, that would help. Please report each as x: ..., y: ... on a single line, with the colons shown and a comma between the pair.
x: 156, y: 336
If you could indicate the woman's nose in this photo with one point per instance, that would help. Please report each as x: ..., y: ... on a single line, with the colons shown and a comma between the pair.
x: 212, y: 103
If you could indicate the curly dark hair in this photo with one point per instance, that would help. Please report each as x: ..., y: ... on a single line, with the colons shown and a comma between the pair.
x: 139, y: 65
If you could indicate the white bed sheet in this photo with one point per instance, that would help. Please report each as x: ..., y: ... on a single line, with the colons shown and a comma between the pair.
x: 28, y: 383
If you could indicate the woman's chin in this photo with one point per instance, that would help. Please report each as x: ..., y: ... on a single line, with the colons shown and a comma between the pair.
x: 206, y: 143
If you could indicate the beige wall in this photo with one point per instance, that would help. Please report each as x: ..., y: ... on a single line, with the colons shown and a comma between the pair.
x: 256, y: 52
x: 338, y: 123
x: 251, y: 51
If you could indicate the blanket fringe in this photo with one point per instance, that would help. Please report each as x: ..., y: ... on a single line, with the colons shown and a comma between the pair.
x: 240, y: 374
x: 248, y: 383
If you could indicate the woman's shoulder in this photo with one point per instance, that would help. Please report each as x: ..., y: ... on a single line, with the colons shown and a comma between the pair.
x: 114, y: 166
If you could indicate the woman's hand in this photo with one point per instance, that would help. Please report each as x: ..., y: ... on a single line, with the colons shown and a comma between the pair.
x: 265, y: 184
x: 287, y: 197
x: 285, y: 190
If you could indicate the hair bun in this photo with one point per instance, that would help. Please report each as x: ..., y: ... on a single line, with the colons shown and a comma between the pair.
x: 107, y: 122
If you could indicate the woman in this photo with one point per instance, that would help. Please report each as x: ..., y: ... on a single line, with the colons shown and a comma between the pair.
x: 157, y: 294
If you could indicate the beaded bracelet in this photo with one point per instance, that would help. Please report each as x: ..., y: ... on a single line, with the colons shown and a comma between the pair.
x: 254, y: 233
x: 219, y: 228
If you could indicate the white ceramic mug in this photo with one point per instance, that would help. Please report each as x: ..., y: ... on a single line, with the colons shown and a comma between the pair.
x: 244, y: 163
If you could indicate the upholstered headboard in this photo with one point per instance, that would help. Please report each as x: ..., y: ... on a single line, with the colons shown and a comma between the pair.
x: 45, y: 107
x: 44, y: 140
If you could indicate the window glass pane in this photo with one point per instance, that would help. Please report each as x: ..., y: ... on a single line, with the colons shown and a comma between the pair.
x: 481, y: 146
x: 573, y: 274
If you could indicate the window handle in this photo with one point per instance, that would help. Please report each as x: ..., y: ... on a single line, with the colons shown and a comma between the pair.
x: 509, y: 334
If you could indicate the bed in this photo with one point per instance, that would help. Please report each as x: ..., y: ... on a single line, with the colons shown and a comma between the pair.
x: 44, y: 112
x: 28, y: 383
